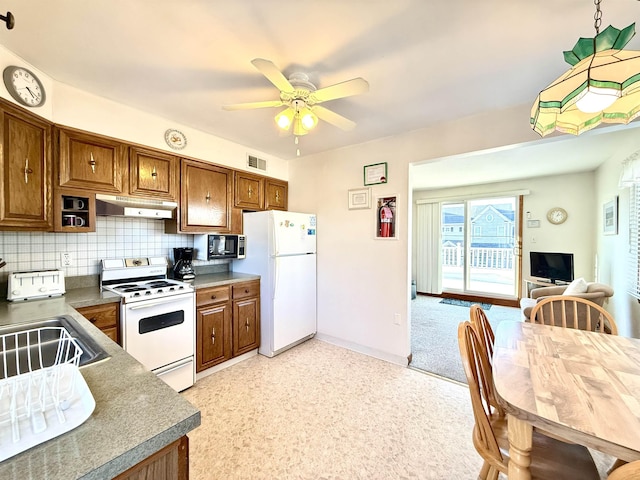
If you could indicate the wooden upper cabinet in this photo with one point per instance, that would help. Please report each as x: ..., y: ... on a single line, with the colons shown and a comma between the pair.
x: 276, y: 194
x: 206, y: 197
x: 153, y: 174
x: 249, y: 191
x: 26, y: 200
x: 91, y: 162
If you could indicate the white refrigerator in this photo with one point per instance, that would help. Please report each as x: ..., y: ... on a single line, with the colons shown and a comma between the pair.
x: 281, y: 248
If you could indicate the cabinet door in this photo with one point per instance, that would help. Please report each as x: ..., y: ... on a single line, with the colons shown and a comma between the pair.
x: 91, y: 162
x: 246, y: 325
x: 213, y: 335
x: 169, y: 463
x: 106, y: 317
x: 26, y: 175
x: 205, y: 197
x: 276, y: 195
x: 152, y: 174
x: 248, y: 191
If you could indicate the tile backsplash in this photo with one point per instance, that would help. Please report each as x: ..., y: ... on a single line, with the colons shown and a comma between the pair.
x: 115, y: 237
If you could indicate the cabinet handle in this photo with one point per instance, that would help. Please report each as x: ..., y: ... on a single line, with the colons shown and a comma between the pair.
x: 27, y: 170
x: 246, y: 324
x: 213, y: 335
x: 213, y: 297
x: 93, y: 319
x: 92, y: 162
x: 277, y: 195
x: 246, y: 290
x: 154, y: 174
x: 208, y: 197
x: 250, y: 192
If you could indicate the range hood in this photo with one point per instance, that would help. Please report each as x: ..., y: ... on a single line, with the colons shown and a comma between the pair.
x: 116, y: 206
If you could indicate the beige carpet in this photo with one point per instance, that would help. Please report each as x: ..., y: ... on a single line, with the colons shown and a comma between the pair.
x: 319, y: 411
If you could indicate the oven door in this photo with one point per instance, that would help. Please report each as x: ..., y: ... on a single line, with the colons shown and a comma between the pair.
x: 160, y: 331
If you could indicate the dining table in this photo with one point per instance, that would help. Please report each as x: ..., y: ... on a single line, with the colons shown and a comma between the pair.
x: 579, y: 386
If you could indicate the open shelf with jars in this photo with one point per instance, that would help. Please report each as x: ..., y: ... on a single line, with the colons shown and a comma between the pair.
x: 74, y: 212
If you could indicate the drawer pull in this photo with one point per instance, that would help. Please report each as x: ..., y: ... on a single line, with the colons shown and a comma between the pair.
x: 154, y: 174
x: 246, y: 290
x: 213, y: 297
x: 92, y: 162
x: 93, y: 319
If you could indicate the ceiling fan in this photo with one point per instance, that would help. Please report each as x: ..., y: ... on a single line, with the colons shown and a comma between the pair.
x: 301, y: 98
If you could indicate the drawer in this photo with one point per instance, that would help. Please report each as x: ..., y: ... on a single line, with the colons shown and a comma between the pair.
x: 102, y: 316
x: 205, y: 296
x: 248, y: 289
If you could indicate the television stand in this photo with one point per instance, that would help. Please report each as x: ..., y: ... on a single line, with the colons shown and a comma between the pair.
x: 531, y: 282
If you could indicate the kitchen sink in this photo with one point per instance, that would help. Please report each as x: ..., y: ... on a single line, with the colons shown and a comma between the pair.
x: 44, y: 351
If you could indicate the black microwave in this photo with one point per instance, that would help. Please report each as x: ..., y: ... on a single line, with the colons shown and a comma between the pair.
x: 217, y: 246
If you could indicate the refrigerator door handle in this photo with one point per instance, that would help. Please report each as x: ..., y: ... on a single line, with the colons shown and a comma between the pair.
x: 276, y: 261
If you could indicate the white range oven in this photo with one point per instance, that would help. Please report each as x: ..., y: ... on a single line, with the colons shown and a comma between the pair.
x: 157, y: 316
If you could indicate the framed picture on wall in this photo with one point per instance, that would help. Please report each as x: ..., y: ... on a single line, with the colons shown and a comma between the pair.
x: 610, y: 217
x: 359, y: 198
x: 375, y: 174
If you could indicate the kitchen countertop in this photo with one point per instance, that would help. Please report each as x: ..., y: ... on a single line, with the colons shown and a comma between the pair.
x: 136, y: 413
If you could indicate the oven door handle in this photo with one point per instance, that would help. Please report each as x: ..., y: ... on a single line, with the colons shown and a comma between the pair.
x: 152, y: 304
x: 173, y: 367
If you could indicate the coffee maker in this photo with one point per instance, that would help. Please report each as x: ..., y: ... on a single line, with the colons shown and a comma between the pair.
x: 182, y: 266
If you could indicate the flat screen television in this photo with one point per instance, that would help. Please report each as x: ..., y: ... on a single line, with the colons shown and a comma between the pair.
x: 552, y: 266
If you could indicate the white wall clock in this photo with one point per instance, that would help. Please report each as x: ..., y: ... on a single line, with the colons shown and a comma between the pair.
x: 24, y: 86
x: 175, y: 139
x: 557, y: 215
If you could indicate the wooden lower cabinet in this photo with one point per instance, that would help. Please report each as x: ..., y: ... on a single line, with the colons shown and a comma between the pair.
x: 170, y: 463
x: 106, y: 317
x: 246, y: 317
x: 227, y: 322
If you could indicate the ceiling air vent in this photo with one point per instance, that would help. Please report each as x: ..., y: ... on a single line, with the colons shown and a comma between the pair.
x: 257, y: 163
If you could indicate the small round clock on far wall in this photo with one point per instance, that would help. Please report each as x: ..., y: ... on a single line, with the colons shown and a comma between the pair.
x: 24, y: 86
x: 557, y: 215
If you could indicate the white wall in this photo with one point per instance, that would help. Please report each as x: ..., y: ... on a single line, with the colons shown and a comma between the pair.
x: 363, y: 282
x: 573, y: 192
x: 612, y: 250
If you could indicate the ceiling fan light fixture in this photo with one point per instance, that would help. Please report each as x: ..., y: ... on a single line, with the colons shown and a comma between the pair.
x: 308, y: 118
x: 284, y: 119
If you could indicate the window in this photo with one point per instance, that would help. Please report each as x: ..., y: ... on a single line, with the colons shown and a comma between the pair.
x: 489, y: 218
x: 634, y: 241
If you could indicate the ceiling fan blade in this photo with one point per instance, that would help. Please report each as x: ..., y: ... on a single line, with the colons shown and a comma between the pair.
x: 355, y: 86
x: 250, y: 105
x: 333, y: 118
x: 275, y: 76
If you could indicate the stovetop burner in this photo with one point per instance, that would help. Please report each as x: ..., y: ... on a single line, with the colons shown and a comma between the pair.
x: 140, y: 279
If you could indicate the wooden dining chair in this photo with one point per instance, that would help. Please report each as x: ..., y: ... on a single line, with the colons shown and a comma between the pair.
x: 573, y: 312
x: 629, y: 471
x: 479, y: 320
x: 550, y: 458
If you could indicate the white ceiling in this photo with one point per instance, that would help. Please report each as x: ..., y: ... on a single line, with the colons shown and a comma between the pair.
x: 426, y: 61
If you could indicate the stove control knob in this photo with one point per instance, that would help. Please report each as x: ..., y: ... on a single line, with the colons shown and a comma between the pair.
x: 147, y: 293
x: 42, y: 289
x: 15, y: 292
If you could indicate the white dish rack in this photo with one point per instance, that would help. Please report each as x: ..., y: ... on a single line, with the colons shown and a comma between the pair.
x: 42, y: 392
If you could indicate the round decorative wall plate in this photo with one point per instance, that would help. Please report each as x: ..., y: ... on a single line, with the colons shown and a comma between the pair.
x: 175, y: 139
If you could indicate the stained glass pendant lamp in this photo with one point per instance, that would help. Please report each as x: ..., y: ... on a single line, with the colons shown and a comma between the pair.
x: 602, y: 85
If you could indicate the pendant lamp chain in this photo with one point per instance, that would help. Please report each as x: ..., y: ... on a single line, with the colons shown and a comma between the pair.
x: 597, y: 17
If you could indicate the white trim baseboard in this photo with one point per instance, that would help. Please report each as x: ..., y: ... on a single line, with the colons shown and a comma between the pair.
x: 372, y: 352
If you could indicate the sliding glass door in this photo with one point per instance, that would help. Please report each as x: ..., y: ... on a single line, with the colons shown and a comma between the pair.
x: 479, y: 246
